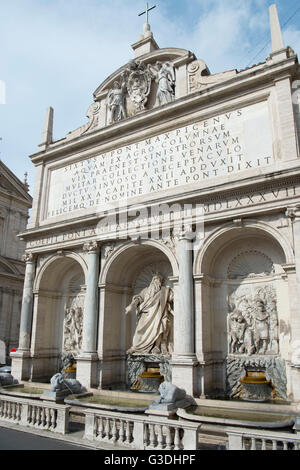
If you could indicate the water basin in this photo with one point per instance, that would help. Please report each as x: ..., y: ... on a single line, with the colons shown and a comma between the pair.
x: 106, y: 402
x: 237, y: 417
x: 21, y: 391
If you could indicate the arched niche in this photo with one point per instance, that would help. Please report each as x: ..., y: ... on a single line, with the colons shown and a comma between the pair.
x: 59, y: 290
x: 125, y: 273
x: 240, y: 265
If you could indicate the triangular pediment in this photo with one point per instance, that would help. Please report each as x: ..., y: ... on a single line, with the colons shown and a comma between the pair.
x: 10, y: 184
x: 7, y: 267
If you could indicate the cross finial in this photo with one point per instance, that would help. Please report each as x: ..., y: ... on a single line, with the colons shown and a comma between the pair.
x: 147, y: 12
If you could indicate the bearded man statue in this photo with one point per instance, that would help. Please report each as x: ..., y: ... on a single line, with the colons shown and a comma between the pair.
x: 154, y: 310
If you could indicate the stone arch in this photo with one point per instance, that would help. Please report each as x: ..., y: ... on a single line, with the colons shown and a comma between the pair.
x: 230, y: 232
x: 59, y: 285
x: 147, y: 246
x: 238, y: 260
x: 128, y: 269
x: 63, y: 260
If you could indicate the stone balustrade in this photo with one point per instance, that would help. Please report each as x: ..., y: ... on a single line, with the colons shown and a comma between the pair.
x: 140, y: 432
x: 35, y: 414
x: 132, y: 431
x: 241, y: 439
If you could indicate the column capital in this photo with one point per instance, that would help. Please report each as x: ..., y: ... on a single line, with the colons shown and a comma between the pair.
x: 293, y: 212
x: 186, y: 233
x: 28, y: 257
x: 91, y: 247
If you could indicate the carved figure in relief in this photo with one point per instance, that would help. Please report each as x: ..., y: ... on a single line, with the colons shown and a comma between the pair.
x: 253, y: 323
x: 237, y: 328
x: 273, y: 320
x: 165, y: 76
x: 116, y: 101
x: 73, y: 329
x: 261, y: 321
x: 246, y: 310
x: 153, y: 306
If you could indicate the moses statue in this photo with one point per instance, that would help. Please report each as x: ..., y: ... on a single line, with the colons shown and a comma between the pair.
x: 154, y: 330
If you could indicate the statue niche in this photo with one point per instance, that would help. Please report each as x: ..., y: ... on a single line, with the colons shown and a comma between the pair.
x: 154, y: 310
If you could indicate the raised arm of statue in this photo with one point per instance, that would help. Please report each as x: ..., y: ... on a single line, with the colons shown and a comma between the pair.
x: 134, y: 304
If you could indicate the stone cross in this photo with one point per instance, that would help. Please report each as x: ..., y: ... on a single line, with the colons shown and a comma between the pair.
x: 147, y: 12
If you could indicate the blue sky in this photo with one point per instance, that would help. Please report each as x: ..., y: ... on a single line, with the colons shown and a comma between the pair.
x: 57, y: 52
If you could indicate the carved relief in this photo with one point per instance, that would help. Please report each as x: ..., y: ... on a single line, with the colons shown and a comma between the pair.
x: 199, y: 76
x: 28, y: 257
x: 164, y: 74
x: 129, y: 95
x: 171, y: 243
x: 253, y: 323
x: 108, y: 250
x: 73, y: 324
x: 91, y: 247
x: 138, y: 84
x: 250, y: 264
x: 93, y: 120
x: 116, y: 101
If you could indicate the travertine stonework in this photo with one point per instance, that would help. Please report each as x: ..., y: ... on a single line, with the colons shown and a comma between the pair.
x: 164, y: 139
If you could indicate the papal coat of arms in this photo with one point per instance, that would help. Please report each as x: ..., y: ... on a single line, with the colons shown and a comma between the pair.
x: 138, y: 84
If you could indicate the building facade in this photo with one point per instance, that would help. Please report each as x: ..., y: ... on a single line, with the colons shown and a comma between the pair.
x: 15, y: 203
x: 166, y: 230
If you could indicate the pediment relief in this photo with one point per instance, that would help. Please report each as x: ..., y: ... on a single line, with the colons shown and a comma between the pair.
x: 9, y: 183
x: 174, y: 55
x: 149, y: 81
x: 8, y: 268
x: 140, y: 85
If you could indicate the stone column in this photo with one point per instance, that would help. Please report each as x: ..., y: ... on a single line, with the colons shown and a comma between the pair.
x: 294, y: 214
x: 20, y: 359
x: 184, y: 357
x: 87, y: 360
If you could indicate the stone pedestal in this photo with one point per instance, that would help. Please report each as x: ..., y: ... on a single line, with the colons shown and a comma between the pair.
x: 87, y: 369
x: 138, y: 365
x: 21, y: 365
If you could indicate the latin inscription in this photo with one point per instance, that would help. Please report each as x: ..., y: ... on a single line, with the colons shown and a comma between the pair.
x: 229, y: 204
x: 220, y: 146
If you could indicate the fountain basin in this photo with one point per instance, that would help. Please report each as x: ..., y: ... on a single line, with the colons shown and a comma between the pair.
x: 237, y: 417
x: 21, y: 390
x: 106, y: 402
